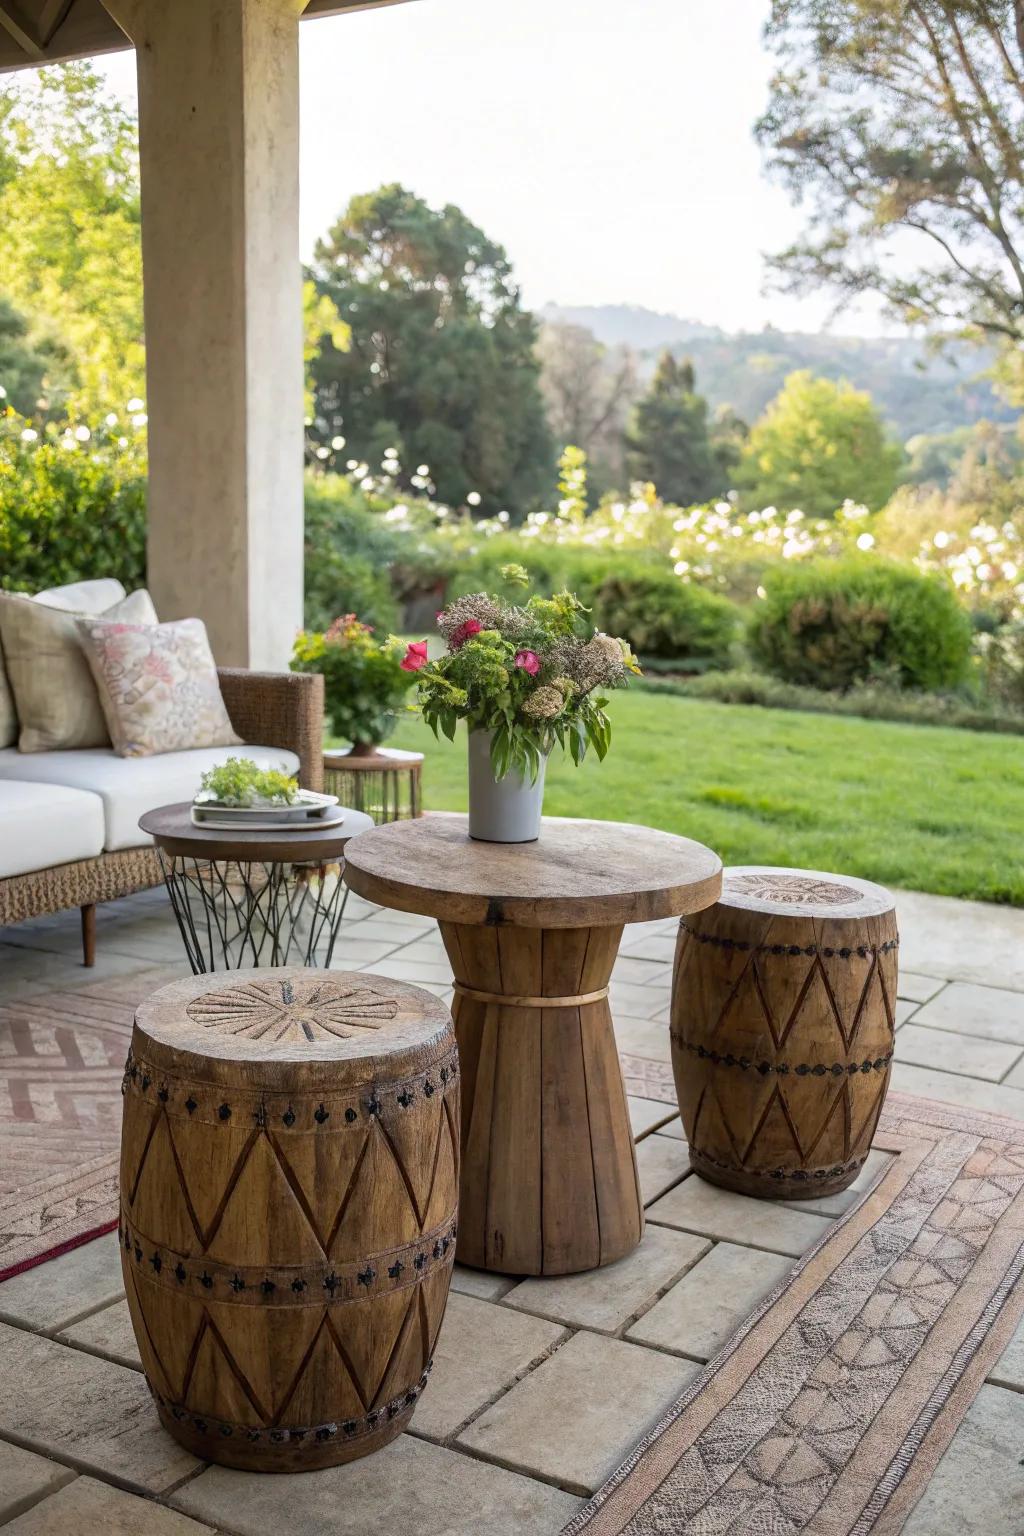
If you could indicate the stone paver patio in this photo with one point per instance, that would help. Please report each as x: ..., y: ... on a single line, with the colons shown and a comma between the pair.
x: 540, y: 1387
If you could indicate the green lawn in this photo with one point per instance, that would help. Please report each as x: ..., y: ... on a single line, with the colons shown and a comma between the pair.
x: 924, y: 807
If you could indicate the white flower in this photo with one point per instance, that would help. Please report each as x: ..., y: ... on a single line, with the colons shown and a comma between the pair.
x: 423, y: 469
x: 83, y: 434
x: 135, y: 404
x: 3, y: 393
x: 323, y: 453
x: 474, y: 498
x: 337, y: 442
x: 140, y: 419
x: 29, y: 435
x: 111, y: 419
x: 866, y: 541
x: 941, y: 539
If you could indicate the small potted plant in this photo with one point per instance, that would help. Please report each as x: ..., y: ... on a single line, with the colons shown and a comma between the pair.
x: 525, y: 678
x: 240, y: 784
x: 364, y: 682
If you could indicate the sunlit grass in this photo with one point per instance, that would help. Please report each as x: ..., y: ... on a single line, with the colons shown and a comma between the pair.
x: 923, y: 807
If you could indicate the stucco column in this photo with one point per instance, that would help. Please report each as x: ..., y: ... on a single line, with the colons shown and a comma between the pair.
x: 219, y: 145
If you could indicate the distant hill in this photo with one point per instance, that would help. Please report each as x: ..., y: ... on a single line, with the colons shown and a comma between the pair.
x: 915, y: 390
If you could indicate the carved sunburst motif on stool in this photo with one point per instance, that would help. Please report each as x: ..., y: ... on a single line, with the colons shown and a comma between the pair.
x: 791, y: 889
x: 292, y: 1008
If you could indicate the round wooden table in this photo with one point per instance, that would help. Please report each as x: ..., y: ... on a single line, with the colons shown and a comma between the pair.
x: 249, y: 897
x: 549, y: 1181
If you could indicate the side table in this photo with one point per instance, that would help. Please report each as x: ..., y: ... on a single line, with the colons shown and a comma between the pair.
x: 249, y: 897
x: 549, y: 1181
x: 385, y: 785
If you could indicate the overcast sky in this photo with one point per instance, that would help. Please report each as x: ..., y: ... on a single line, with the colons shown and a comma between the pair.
x: 606, y: 143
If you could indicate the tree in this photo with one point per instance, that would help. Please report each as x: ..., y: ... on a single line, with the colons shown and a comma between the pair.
x: 26, y: 367
x: 901, y: 124
x: 441, y: 365
x: 670, y: 441
x: 70, y: 257
x: 588, y: 392
x: 817, y: 445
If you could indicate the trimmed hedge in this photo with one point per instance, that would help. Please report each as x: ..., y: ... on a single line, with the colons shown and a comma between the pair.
x: 871, y: 701
x: 662, y: 616
x: 836, y: 623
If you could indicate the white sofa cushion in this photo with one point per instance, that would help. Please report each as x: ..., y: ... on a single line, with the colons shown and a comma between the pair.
x: 84, y: 596
x: 46, y: 824
x: 130, y: 786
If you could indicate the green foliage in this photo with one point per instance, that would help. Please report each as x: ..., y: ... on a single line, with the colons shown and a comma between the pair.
x: 836, y: 623
x: 364, y: 683
x: 70, y: 509
x: 349, y: 551
x: 530, y: 675
x: 817, y: 445
x: 238, y: 781
x: 871, y: 701
x: 25, y: 364
x: 441, y: 365
x: 670, y: 441
x: 662, y: 616
x: 70, y: 258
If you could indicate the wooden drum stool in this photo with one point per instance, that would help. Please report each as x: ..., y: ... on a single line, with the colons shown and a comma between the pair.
x: 783, y: 998
x: 289, y: 1181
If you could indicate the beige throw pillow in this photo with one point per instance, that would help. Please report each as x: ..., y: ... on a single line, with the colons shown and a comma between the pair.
x: 158, y: 686
x: 54, y: 694
x: 79, y: 596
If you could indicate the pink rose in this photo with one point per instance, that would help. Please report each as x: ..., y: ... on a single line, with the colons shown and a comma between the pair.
x: 415, y: 656
x: 463, y: 633
x: 529, y: 661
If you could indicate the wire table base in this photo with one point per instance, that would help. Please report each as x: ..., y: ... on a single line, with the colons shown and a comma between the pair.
x: 232, y: 914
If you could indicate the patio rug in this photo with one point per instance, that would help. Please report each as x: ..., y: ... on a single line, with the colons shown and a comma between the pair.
x: 829, y: 1409
x: 62, y: 1058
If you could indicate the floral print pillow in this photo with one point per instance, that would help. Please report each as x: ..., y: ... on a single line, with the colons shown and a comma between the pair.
x: 158, y: 686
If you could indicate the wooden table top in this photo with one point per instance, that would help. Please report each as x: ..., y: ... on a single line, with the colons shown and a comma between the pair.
x: 385, y: 759
x: 172, y: 829
x: 579, y: 874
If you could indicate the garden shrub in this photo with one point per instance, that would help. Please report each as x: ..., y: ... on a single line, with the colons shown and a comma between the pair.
x: 662, y: 616
x: 71, y: 507
x: 868, y: 701
x: 349, y: 552
x: 836, y: 623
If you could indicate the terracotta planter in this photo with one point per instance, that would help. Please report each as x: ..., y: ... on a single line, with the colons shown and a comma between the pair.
x: 504, y: 810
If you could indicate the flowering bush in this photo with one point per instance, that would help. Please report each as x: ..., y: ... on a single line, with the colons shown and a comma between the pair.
x: 531, y: 675
x: 364, y: 681
x: 239, y: 781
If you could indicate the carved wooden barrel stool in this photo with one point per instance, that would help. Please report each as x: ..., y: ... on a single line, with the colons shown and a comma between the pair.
x: 289, y: 1186
x: 783, y: 999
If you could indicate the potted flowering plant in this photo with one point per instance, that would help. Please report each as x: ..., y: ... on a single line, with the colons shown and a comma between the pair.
x: 364, y: 681
x: 525, y: 678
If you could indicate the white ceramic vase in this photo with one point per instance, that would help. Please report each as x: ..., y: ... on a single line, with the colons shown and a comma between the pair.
x: 504, y: 810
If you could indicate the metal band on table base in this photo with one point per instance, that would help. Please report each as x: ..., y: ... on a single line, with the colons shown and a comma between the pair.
x: 502, y: 1000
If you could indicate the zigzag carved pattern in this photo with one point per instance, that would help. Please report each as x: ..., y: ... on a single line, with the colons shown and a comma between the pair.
x: 351, y: 1272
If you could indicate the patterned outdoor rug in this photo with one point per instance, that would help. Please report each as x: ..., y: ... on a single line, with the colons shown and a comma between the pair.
x: 61, y: 1061
x: 829, y: 1409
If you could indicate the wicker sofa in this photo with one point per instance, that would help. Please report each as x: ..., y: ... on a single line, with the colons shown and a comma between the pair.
x: 86, y: 804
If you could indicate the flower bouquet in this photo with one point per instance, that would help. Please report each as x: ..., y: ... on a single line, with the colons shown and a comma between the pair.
x: 525, y: 678
x: 364, y: 681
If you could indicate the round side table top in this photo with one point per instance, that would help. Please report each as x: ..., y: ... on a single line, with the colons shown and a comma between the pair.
x: 172, y: 829
x: 252, y: 1024
x: 810, y: 893
x: 579, y: 874
x: 384, y: 759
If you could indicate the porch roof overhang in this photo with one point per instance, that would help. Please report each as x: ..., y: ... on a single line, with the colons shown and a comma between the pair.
x: 34, y: 32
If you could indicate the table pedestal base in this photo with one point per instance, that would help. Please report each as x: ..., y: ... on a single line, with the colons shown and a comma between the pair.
x: 549, y: 1183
